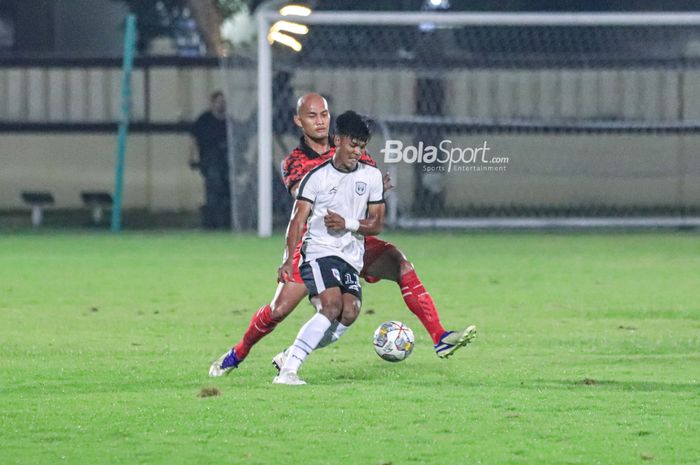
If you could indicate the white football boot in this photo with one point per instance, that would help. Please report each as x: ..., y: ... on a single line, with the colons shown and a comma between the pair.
x: 279, y: 359
x: 288, y: 377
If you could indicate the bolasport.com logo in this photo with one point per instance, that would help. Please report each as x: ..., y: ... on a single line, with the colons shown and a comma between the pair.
x: 445, y: 157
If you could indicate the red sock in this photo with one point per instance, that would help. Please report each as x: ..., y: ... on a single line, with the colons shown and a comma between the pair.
x: 421, y: 304
x: 261, y: 324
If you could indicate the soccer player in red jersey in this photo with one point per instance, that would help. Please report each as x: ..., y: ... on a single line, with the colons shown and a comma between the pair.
x: 382, y: 260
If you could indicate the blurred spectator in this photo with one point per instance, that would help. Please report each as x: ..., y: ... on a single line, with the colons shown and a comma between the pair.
x: 209, y: 132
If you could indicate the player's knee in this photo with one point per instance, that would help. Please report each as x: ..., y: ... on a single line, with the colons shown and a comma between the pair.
x: 332, y: 309
x: 281, y: 309
x: 350, y: 314
x: 286, y: 300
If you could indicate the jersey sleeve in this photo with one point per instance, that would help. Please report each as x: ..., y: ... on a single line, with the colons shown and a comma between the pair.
x: 292, y: 170
x: 308, y: 189
x: 376, y: 188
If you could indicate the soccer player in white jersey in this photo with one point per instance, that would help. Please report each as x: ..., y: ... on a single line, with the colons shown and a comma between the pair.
x: 340, y: 201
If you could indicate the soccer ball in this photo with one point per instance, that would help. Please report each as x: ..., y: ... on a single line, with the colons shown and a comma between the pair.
x: 393, y: 341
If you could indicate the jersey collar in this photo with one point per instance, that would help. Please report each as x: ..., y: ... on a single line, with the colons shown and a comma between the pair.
x: 309, y: 152
x: 330, y: 161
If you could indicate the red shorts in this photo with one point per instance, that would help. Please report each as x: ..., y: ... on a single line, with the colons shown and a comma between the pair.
x: 374, y: 247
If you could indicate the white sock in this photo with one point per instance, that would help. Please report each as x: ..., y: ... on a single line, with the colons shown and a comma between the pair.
x: 328, y: 335
x: 308, y: 338
x: 336, y: 330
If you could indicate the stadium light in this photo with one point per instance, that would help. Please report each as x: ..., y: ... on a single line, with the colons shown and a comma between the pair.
x: 284, y: 39
x: 287, y: 26
x: 295, y: 10
x: 433, y: 5
x: 278, y: 30
x: 436, y: 5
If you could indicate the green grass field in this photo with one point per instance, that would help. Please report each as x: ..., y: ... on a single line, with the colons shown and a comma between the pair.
x: 588, y: 353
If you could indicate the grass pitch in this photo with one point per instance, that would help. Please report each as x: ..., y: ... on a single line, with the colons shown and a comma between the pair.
x: 588, y: 353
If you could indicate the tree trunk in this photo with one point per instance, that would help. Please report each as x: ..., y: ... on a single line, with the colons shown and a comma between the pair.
x: 209, y: 19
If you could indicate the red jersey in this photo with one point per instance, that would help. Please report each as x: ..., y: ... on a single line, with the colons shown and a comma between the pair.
x: 303, y: 159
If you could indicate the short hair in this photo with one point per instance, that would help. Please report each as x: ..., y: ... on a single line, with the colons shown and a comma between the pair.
x: 216, y: 94
x: 353, y: 125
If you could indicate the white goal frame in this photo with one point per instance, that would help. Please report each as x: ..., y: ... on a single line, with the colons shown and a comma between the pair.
x: 265, y: 136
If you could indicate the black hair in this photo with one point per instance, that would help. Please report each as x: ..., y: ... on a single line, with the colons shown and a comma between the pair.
x: 353, y: 125
x: 216, y: 94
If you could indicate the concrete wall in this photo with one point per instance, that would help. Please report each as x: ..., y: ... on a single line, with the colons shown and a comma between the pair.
x: 93, y: 94
x: 156, y: 177
x: 544, y: 169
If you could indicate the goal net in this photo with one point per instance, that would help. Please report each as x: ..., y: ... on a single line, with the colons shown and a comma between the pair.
x: 488, y: 120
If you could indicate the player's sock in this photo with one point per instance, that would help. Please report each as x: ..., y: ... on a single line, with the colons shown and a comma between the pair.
x: 308, y: 338
x: 418, y: 300
x: 333, y: 333
x: 260, y: 325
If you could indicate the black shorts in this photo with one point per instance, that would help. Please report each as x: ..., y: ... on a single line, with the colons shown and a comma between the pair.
x: 323, y: 273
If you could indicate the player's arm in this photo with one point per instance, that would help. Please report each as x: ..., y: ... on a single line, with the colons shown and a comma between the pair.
x: 300, y: 213
x: 293, y: 172
x: 370, y: 226
x: 374, y: 223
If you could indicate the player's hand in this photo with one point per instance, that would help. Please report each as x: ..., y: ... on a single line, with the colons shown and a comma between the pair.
x: 285, y: 272
x: 387, y: 182
x: 334, y: 221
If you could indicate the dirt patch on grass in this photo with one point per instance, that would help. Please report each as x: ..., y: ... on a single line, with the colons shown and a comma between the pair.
x: 209, y: 392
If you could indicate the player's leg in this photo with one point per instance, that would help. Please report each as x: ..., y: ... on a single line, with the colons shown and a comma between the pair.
x: 263, y: 322
x: 329, y: 309
x: 266, y: 319
x: 323, y: 279
x: 351, y: 310
x: 383, y: 260
x: 351, y: 304
x: 332, y: 334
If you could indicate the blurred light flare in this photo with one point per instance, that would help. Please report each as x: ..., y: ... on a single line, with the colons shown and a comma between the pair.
x: 295, y: 10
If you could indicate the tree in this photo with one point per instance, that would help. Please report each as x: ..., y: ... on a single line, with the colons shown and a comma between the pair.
x: 169, y: 18
x: 208, y: 15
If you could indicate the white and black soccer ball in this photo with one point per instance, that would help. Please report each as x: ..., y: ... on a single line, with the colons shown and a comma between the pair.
x: 393, y: 341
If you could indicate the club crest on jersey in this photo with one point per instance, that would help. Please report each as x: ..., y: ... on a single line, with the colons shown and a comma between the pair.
x: 360, y: 187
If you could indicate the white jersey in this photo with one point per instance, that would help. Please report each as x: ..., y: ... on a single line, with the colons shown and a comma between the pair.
x: 345, y: 193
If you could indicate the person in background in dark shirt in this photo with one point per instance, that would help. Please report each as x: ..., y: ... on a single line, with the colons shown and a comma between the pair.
x: 209, y: 133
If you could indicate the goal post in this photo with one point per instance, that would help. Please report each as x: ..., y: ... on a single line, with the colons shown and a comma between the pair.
x: 562, y: 89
